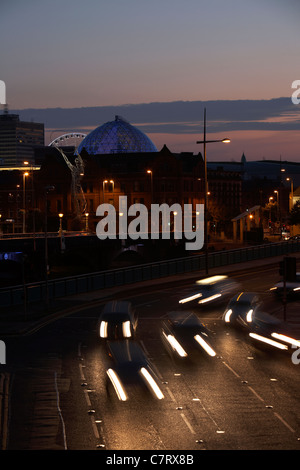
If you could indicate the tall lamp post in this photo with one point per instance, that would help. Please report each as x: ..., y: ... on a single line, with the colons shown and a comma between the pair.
x: 60, y: 223
x: 291, y: 197
x: 47, y: 189
x: 24, y: 199
x: 151, y: 181
x: 26, y: 163
x: 204, y: 142
x: 86, y: 221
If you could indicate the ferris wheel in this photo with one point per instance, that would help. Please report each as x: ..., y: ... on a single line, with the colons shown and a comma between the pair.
x: 69, y: 139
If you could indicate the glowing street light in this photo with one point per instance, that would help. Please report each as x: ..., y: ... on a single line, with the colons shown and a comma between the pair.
x: 86, y: 221
x: 60, y: 222
x: 151, y: 176
x: 291, y: 198
x: 24, y: 198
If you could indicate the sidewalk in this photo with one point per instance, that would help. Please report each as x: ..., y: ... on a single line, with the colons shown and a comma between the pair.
x: 19, y: 322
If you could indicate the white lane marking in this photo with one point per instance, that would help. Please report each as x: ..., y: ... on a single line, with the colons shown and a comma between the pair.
x: 95, y: 429
x: 87, y: 398
x: 187, y: 423
x: 284, y: 422
x: 81, y: 372
x: 171, y: 394
x: 233, y: 371
x: 255, y: 393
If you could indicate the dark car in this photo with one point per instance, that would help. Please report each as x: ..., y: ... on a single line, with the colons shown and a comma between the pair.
x: 241, y: 308
x: 291, y: 289
x: 245, y: 310
x: 117, y: 321
x: 128, y: 368
x: 183, y: 335
x: 211, y: 290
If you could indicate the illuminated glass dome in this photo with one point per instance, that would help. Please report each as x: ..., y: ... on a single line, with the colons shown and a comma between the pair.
x: 116, y: 136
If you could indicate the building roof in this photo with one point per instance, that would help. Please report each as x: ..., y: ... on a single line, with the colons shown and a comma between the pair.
x: 116, y: 136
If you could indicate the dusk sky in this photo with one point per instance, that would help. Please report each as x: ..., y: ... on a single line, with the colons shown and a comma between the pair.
x: 114, y: 54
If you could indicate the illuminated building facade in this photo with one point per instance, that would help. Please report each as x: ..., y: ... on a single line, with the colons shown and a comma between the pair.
x: 18, y: 139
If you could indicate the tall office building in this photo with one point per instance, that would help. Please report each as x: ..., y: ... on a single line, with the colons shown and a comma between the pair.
x: 18, y: 139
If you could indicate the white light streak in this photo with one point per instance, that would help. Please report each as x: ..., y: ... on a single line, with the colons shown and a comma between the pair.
x: 208, y: 299
x: 287, y: 339
x: 126, y: 329
x: 268, y: 341
x: 249, y: 316
x: 117, y: 384
x: 188, y: 299
x: 176, y: 345
x: 211, y: 280
x: 228, y: 315
x: 103, y: 329
x: 152, y: 383
x: 204, y: 345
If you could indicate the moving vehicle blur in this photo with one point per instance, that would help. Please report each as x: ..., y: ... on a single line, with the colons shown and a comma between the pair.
x: 211, y: 290
x: 290, y: 288
x: 128, y: 368
x: 117, y: 321
x: 240, y: 309
x: 183, y: 334
x: 245, y: 310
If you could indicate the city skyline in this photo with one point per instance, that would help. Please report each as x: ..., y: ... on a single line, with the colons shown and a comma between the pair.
x: 71, y: 56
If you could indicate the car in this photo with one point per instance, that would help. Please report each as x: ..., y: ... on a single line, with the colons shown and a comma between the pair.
x: 183, y: 335
x: 245, y: 310
x: 241, y: 308
x: 270, y: 331
x: 290, y: 288
x: 128, y: 369
x: 210, y: 290
x: 118, y: 320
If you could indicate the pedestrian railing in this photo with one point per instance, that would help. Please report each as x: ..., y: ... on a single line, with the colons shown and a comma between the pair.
x: 63, y: 287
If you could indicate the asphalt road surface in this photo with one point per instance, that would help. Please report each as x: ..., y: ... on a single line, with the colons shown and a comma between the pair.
x: 247, y: 397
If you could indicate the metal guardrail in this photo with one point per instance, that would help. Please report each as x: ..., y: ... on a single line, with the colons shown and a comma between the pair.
x: 63, y: 287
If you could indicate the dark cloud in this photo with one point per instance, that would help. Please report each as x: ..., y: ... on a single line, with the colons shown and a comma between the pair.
x: 178, y: 117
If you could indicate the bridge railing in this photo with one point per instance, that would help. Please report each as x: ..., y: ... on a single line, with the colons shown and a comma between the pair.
x: 63, y: 287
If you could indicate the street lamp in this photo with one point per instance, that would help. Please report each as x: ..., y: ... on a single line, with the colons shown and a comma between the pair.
x: 60, y: 222
x: 47, y: 189
x: 24, y: 198
x: 151, y: 176
x: 204, y: 142
x: 277, y: 197
x: 291, y: 198
x: 26, y: 163
x: 86, y: 221
x: 103, y: 184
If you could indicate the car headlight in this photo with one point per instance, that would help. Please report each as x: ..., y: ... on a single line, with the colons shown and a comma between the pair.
x: 126, y: 329
x: 249, y: 316
x: 227, y: 316
x: 103, y: 329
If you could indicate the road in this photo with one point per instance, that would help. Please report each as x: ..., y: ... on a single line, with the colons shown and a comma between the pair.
x: 245, y: 398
